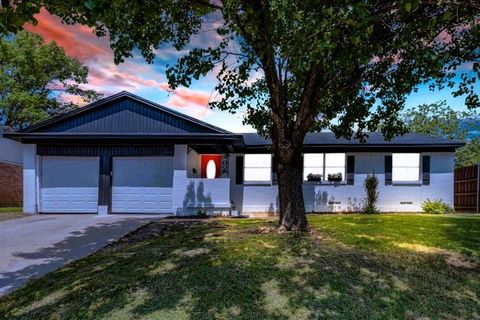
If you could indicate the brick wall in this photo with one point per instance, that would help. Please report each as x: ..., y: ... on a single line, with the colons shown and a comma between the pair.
x: 10, y: 185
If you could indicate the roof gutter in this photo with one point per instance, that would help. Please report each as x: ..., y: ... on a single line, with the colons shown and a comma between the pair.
x: 87, y: 138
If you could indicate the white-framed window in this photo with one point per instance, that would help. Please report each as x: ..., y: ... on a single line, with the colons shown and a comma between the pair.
x: 312, y: 164
x: 334, y: 164
x: 257, y: 168
x: 323, y: 164
x: 405, y: 167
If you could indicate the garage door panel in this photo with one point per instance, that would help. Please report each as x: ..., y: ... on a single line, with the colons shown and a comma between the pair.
x: 69, y: 185
x: 125, y: 199
x: 142, y: 185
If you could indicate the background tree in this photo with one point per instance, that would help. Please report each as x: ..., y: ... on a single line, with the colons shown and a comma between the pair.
x: 440, y: 120
x: 296, y: 66
x: 469, y: 154
x: 32, y: 75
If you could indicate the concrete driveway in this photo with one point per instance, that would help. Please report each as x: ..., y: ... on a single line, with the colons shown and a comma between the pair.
x: 34, y: 245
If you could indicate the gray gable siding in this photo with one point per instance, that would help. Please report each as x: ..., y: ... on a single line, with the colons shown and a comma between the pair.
x: 125, y: 115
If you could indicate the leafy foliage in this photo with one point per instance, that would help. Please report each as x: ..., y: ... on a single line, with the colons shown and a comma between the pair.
x: 440, y: 120
x: 436, y: 207
x: 295, y: 65
x: 201, y: 213
x: 469, y: 154
x: 335, y: 176
x: 314, y: 177
x: 371, y: 189
x: 31, y: 72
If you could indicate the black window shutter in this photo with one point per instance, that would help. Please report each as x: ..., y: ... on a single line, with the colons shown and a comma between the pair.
x: 274, y: 170
x: 388, y: 170
x: 350, y: 170
x: 426, y: 170
x: 274, y: 167
x: 303, y: 167
x: 239, y: 170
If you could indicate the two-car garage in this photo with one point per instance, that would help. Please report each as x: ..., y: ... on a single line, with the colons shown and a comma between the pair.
x: 70, y: 184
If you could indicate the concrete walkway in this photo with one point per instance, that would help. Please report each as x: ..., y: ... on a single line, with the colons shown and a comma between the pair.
x: 34, y: 245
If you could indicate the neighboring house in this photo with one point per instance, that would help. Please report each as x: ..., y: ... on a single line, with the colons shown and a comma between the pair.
x: 127, y: 154
x: 10, y: 170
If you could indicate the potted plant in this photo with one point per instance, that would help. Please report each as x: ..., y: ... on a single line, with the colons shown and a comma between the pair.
x: 336, y: 177
x: 314, y: 177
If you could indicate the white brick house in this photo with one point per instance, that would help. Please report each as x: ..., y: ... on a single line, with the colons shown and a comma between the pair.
x: 127, y: 154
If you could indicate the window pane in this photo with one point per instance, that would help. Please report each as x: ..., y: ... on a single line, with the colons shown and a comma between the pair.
x: 405, y: 174
x: 335, y: 160
x: 258, y: 160
x: 405, y: 166
x: 334, y: 163
x: 406, y: 160
x: 314, y: 170
x: 313, y: 160
x: 257, y: 174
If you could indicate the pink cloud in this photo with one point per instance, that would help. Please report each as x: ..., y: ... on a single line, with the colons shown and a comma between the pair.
x: 77, y: 41
x: 189, y: 97
x: 73, y: 99
x: 133, y: 75
x: 192, y: 101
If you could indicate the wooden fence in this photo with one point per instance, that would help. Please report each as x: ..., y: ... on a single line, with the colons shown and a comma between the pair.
x: 466, y: 189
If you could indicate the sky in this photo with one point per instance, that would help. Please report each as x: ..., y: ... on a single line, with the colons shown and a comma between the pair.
x: 149, y: 81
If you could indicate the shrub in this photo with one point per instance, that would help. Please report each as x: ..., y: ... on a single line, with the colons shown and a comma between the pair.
x: 436, y: 207
x: 371, y: 185
x: 314, y: 177
x: 201, y: 213
x: 335, y: 177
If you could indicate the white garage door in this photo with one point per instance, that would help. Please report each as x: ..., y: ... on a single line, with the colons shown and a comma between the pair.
x: 142, y: 185
x: 69, y: 185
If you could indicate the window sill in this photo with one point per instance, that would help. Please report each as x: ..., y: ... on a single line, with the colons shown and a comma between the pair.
x: 258, y: 183
x: 406, y: 183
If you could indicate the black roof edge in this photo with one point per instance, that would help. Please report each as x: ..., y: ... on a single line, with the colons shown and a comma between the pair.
x: 113, y: 97
x: 364, y: 148
x: 202, y: 138
x: 108, y: 138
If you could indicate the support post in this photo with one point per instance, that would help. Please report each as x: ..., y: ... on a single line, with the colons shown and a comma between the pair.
x: 179, y: 179
x: 105, y: 185
x: 30, y: 179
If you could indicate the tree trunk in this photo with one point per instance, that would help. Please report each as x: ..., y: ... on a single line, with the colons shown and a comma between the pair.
x: 292, y: 208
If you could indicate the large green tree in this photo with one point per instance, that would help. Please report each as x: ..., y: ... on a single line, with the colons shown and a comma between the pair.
x: 295, y: 65
x: 440, y: 120
x: 32, y: 77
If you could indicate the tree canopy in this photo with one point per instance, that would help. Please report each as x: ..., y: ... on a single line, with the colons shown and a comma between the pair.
x: 352, y: 61
x: 32, y: 75
x: 469, y: 154
x: 295, y: 66
x: 440, y: 120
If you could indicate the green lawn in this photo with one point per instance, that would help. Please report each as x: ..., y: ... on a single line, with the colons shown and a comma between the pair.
x: 360, y: 267
x: 10, y: 213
